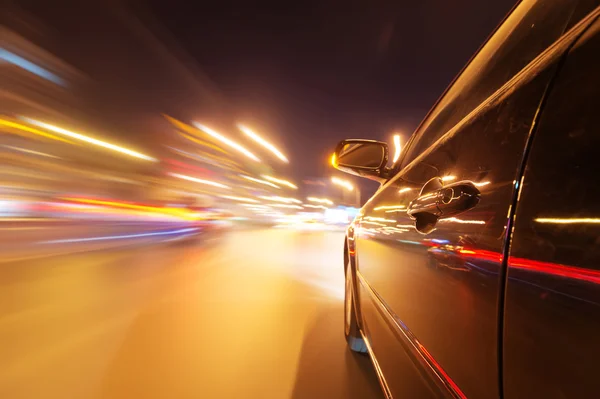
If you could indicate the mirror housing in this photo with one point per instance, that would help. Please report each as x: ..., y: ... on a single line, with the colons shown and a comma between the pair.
x: 364, y: 158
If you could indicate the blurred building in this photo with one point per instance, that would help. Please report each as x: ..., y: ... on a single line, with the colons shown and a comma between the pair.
x: 38, y: 164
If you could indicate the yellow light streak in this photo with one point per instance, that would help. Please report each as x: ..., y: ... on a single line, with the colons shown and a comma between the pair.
x: 190, y: 130
x: 379, y: 208
x: 90, y: 140
x: 18, y: 126
x: 280, y: 181
x: 568, y: 220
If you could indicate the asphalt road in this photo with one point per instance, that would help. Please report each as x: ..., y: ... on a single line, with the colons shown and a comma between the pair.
x: 243, y: 314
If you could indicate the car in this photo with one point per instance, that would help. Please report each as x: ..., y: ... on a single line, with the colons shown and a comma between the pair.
x: 474, y: 270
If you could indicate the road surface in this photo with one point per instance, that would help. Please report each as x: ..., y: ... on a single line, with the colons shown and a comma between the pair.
x: 244, y: 314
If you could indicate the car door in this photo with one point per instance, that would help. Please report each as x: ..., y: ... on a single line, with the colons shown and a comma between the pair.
x: 552, y: 310
x: 431, y: 289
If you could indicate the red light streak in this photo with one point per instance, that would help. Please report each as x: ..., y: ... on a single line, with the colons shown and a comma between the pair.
x: 555, y: 269
x: 536, y: 266
x: 440, y: 370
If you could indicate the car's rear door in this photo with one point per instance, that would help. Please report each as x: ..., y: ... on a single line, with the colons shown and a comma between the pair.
x: 432, y: 300
x: 552, y: 310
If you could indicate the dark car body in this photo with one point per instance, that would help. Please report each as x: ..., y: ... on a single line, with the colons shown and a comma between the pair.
x: 499, y: 296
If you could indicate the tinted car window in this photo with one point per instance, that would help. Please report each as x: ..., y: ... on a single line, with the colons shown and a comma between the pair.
x: 552, y: 311
x: 529, y: 30
x: 584, y: 7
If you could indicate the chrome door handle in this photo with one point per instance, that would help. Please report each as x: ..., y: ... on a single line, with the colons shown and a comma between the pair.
x: 437, y: 201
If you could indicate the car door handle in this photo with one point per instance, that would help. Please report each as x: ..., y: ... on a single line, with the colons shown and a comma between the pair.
x: 437, y: 201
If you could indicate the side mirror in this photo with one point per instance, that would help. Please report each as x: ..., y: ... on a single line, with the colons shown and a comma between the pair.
x: 365, y: 158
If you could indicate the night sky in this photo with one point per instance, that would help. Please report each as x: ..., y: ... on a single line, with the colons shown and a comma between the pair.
x: 317, y: 72
x: 306, y: 74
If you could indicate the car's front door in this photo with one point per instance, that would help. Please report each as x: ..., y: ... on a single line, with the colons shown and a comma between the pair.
x: 431, y: 288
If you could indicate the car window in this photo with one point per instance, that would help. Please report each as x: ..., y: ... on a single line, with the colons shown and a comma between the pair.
x: 528, y: 30
x: 559, y: 205
x: 584, y: 7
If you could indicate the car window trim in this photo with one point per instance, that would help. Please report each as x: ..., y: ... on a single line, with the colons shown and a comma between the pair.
x: 413, y: 137
x: 555, y: 49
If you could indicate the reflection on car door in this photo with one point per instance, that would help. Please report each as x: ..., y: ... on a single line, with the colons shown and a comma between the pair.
x: 433, y: 299
x: 552, y: 312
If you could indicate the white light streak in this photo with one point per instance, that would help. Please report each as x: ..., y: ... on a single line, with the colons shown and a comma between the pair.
x: 275, y: 198
x: 240, y: 199
x: 266, y: 183
x: 320, y: 200
x: 263, y: 142
x: 481, y: 184
x: 201, y: 181
x: 315, y: 206
x: 227, y: 141
x: 256, y: 206
x: 461, y: 221
x: 287, y: 206
x: 380, y: 219
x: 280, y: 181
x: 397, y: 148
x: 344, y: 183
